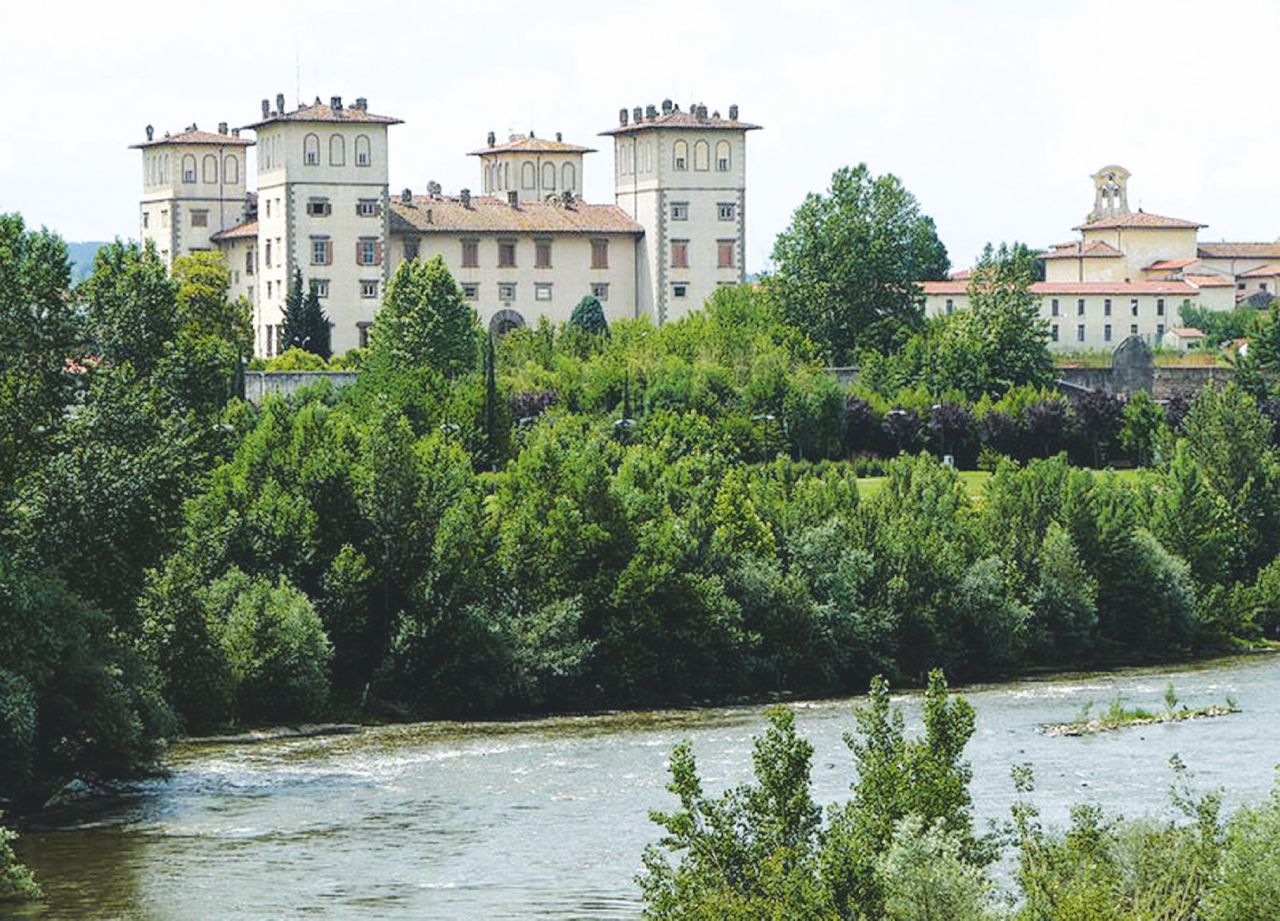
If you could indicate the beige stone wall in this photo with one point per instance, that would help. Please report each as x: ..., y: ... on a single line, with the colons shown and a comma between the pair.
x: 171, y: 202
x: 1075, y: 270
x: 531, y: 176
x: 1144, y: 245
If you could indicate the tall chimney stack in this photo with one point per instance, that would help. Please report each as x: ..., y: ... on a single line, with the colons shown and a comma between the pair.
x: 280, y: 103
x: 266, y: 108
x: 222, y: 127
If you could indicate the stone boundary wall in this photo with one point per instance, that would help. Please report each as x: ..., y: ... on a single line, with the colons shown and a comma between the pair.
x: 258, y: 385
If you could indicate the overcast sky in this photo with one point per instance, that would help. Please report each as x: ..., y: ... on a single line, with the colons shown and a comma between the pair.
x: 994, y: 114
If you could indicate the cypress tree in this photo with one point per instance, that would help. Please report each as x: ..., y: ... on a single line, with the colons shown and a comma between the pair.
x: 293, y: 321
x: 315, y: 325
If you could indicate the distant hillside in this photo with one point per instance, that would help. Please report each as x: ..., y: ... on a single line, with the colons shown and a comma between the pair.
x: 82, y: 258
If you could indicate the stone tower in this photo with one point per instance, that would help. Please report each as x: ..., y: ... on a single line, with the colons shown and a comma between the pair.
x: 193, y: 186
x: 1110, y: 193
x: 531, y: 168
x: 682, y: 175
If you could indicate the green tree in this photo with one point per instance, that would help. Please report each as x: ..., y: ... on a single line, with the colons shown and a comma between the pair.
x: 131, y: 305
x: 16, y: 882
x: 305, y: 325
x: 425, y: 321
x: 294, y: 327
x: 1248, y: 880
x: 1145, y: 429
x: 926, y: 878
x: 588, y: 316
x: 848, y: 264
x: 1004, y: 320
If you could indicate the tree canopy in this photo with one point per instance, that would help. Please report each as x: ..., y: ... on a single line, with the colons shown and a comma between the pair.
x: 425, y: 321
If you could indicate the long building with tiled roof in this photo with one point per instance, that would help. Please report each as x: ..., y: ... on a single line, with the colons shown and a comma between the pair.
x: 1129, y: 274
x: 528, y: 246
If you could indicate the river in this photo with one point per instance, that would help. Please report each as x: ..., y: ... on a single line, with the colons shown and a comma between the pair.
x: 548, y: 818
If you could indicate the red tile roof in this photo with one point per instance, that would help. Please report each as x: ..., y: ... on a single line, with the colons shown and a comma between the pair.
x: 246, y: 231
x: 678, y: 119
x: 1076, y: 287
x: 1209, y: 281
x: 319, y: 112
x: 493, y: 215
x: 1187, y: 332
x: 1239, y: 250
x: 1079, y: 249
x: 1140, y: 219
x: 520, y: 143
x: 1270, y: 270
x: 195, y: 137
x: 1166, y: 265
x: 960, y: 275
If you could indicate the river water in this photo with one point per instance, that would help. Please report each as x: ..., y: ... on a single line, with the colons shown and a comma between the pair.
x: 548, y: 818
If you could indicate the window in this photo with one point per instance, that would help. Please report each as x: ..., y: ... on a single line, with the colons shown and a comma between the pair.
x: 527, y: 174
x: 726, y: 210
x: 470, y: 290
x: 279, y: 339
x: 268, y: 290
x: 506, y: 291
x: 188, y: 168
x: 268, y: 207
x: 542, y: 291
x: 568, y: 177
x: 680, y: 155
x: 1240, y: 286
x: 680, y: 289
x: 506, y: 254
x: 267, y: 339
x: 679, y: 254
x: 311, y: 150
x: 368, y: 287
x: 701, y: 155
x: 318, y: 207
x: 411, y: 249
x: 209, y: 166
x: 1106, y: 333
x: 267, y: 260
x: 542, y: 254
x: 679, y: 211
x: 248, y: 262
x: 200, y: 218
x: 369, y: 251
x: 1133, y: 329
x: 1159, y: 306
x: 722, y: 156
x: 363, y: 158
x: 145, y: 217
x: 1053, y: 332
x: 164, y: 217
x: 599, y: 254
x: 320, y: 286
x: 321, y: 251
x: 470, y: 254
x: 548, y: 177
x: 1057, y: 309
x: 1159, y: 331
x: 1080, y: 307
x: 231, y: 169
x: 1133, y: 306
x: 600, y: 291
x: 362, y: 333
x: 337, y: 150
x: 367, y: 207
x: 724, y: 253
x: 1080, y: 333
x: 1106, y: 307
x: 951, y: 306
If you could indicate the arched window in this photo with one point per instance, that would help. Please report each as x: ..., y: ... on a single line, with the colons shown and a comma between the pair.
x: 210, y: 168
x: 311, y: 150
x: 504, y: 321
x: 680, y: 155
x: 188, y: 168
x: 548, y: 177
x: 337, y: 150
x: 701, y: 155
x: 164, y: 168
x: 722, y: 156
x: 506, y: 175
x: 527, y: 175
x: 230, y: 169
x: 363, y: 156
x: 568, y: 177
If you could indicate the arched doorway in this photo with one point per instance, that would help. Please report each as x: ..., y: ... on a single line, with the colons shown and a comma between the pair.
x: 504, y: 321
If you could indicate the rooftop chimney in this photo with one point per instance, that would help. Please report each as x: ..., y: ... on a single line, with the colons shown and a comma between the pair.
x: 622, y: 116
x: 733, y: 112
x: 266, y: 108
x: 702, y: 111
x: 335, y: 102
x: 465, y: 197
x: 235, y: 132
x: 651, y: 112
x: 280, y: 103
x: 150, y: 132
x: 559, y: 137
x: 637, y: 114
x: 361, y: 103
x: 493, y: 138
x: 222, y: 127
x: 406, y: 197
x: 666, y: 106
x: 433, y: 188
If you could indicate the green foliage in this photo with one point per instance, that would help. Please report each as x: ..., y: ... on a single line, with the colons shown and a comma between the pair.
x: 588, y: 317
x: 16, y: 882
x: 131, y: 305
x: 1247, y: 882
x: 926, y: 877
x: 296, y: 359
x: 424, y: 321
x: 1220, y: 326
x: 306, y: 327
x: 848, y: 263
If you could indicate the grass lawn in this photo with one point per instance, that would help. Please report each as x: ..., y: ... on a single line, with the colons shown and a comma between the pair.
x: 974, y: 481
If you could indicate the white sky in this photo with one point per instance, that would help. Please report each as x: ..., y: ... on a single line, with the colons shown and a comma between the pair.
x: 993, y: 113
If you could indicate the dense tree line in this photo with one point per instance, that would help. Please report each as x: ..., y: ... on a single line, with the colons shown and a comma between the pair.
x: 903, y: 847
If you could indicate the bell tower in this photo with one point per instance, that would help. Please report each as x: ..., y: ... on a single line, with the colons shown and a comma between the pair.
x: 1110, y: 193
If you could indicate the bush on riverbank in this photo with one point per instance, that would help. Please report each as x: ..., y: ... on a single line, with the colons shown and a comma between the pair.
x: 902, y: 847
x: 16, y: 882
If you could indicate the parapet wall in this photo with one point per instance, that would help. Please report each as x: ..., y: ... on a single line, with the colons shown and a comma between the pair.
x: 259, y: 384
